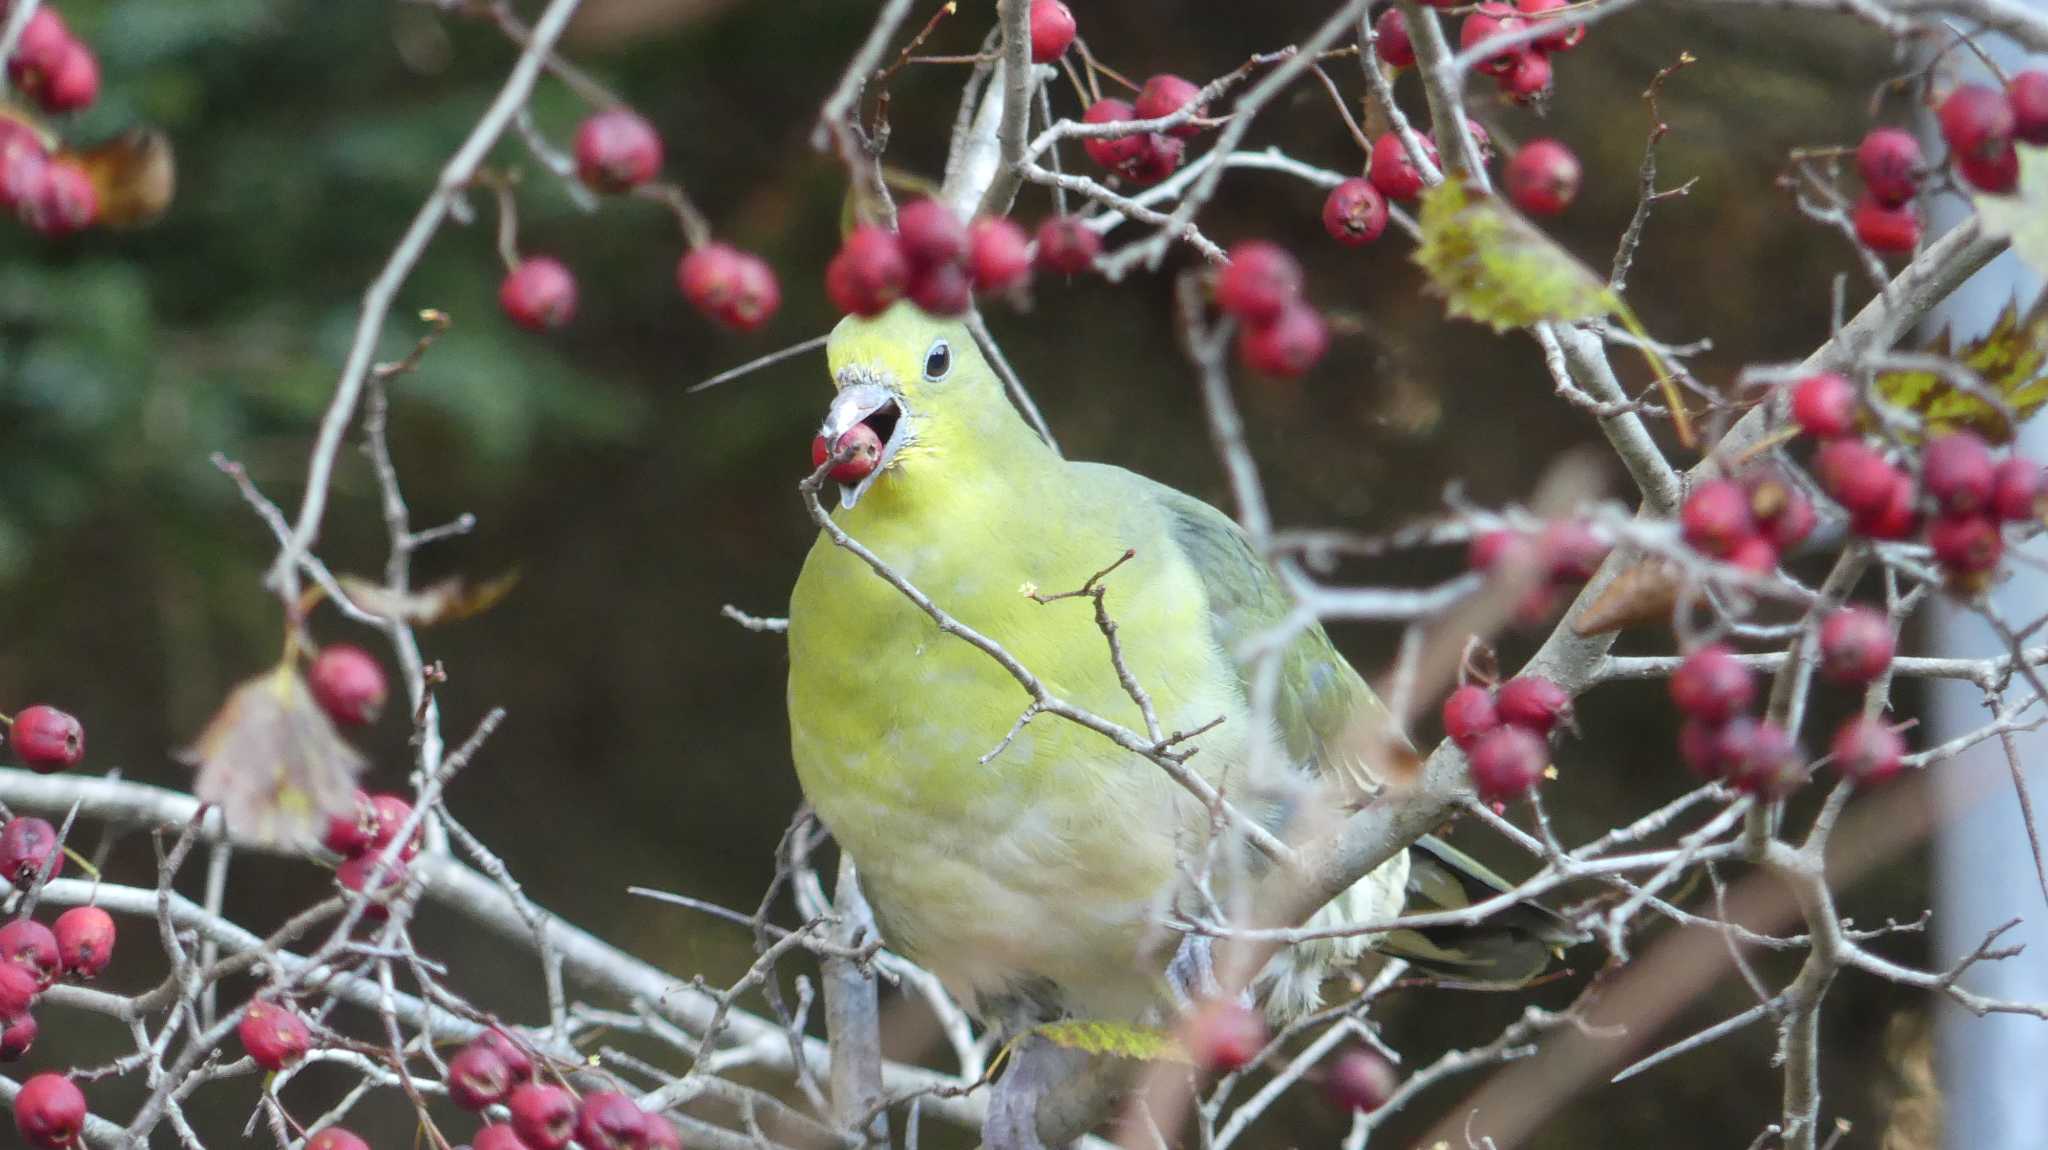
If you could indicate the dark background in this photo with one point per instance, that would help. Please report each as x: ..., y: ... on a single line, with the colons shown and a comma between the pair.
x: 646, y: 739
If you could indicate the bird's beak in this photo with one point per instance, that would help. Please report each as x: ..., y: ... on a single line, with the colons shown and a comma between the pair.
x: 878, y: 407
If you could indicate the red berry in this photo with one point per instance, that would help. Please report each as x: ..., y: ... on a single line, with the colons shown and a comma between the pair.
x: 23, y: 166
x: 539, y: 294
x: 1287, y: 346
x: 1543, y: 177
x: 477, y: 1077
x: 1162, y: 96
x: 1794, y: 520
x: 1716, y: 517
x: 864, y: 446
x: 1491, y: 550
x: 335, y: 1138
x: 1824, y: 405
x: 1224, y: 1036
x: 1977, y: 122
x: 1892, y: 230
x: 2016, y: 489
x: 608, y: 1120
x: 868, y: 273
x: 1506, y: 763
x: 1856, y: 645
x: 1966, y: 544
x: 508, y: 1049
x: 31, y: 946
x: 1067, y: 246
x: 350, y: 834
x: 617, y: 150
x: 942, y: 289
x: 72, y: 80
x: 275, y: 1036
x: 498, y: 1136
x: 1360, y: 1080
x: 1111, y: 152
x: 2027, y: 95
x: 998, y: 255
x: 1480, y: 139
x: 1533, y: 703
x: 1529, y: 78
x: 1563, y: 41
x: 28, y: 843
x: 1889, y: 161
x: 1958, y: 472
x: 1156, y: 158
x: 1355, y: 212
x: 47, y: 740
x: 1572, y: 551
x: 19, y: 989
x: 931, y: 235
x: 1867, y: 749
x: 544, y: 1116
x: 1699, y: 744
x: 1391, y: 41
x: 1259, y: 283
x: 662, y: 1134
x: 390, y: 813
x: 1756, y: 555
x: 65, y: 203
x: 348, y: 684
x: 17, y: 1035
x: 729, y: 286
x: 1898, y: 517
x: 354, y: 876
x: 1856, y: 475
x: 85, y: 941
x: 1712, y: 685
x: 1392, y: 172
x: 1763, y: 758
x: 1052, y: 30
x: 1469, y: 712
x: 1487, y: 21
x: 50, y: 1112
x: 1998, y: 173
x: 43, y: 45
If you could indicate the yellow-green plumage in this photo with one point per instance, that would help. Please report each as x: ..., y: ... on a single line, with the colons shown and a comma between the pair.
x: 1028, y: 882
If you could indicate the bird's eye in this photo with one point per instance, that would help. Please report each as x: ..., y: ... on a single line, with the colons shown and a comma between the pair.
x: 938, y: 361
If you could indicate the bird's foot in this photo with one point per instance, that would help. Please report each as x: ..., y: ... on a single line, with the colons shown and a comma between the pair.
x: 1033, y: 1068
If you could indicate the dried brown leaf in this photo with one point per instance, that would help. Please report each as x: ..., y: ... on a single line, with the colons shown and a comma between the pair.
x: 1641, y: 596
x: 447, y: 601
x: 273, y: 762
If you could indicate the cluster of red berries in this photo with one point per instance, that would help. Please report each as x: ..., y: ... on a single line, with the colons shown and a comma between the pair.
x: 78, y: 945
x: 1566, y: 553
x: 1224, y: 1037
x: 60, y: 73
x: 935, y: 261
x: 1982, y: 127
x: 1970, y: 490
x: 1144, y: 157
x: 1261, y: 287
x: 1747, y: 522
x: 618, y: 151
x: 1504, y: 732
x: 1522, y: 71
x: 360, y: 837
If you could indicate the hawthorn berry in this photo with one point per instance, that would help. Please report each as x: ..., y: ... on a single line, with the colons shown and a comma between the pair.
x: 27, y: 844
x: 508, y: 1049
x: 1487, y: 21
x: 1162, y: 96
x: 1390, y: 39
x: 728, y: 286
x: 1286, y: 346
x: 1052, y: 30
x: 1855, y: 474
x: 869, y: 273
x: 1755, y: 554
x: 477, y: 1077
x: 1716, y: 517
x: 998, y: 255
x: 1958, y: 471
x: 29, y: 945
x: 544, y: 1116
x: 608, y: 1120
x: 1157, y: 157
x: 662, y: 1134
x: 498, y: 1136
x: 22, y: 166
x: 1360, y: 1080
x: 2016, y: 489
x: 1259, y: 283
x: 1533, y: 703
x: 274, y: 1035
x: 1977, y: 122
x: 1867, y: 749
x: 45, y: 41
x: 19, y: 990
x: 350, y: 834
x: 47, y: 740
x: 1571, y: 550
x: 931, y: 235
x: 17, y: 1035
x: 1491, y: 550
x: 1528, y: 78
x: 335, y: 1138
x: 1699, y: 744
x: 1763, y: 758
x: 72, y: 80
x: 1224, y: 1036
x: 85, y: 941
x: 2027, y: 95
x: 1355, y: 213
x: 1892, y: 230
x: 1965, y: 545
x: 1889, y: 161
x: 1824, y: 405
x: 1856, y: 645
x: 1506, y: 763
x: 1783, y: 513
x: 1712, y: 685
x: 348, y: 684
x: 50, y: 1112
x: 1067, y: 246
x: 1391, y: 171
x: 1897, y: 517
x: 1469, y: 713
x: 65, y: 202
x: 864, y: 451
x: 1997, y: 174
x: 1543, y: 177
x: 538, y: 294
x: 942, y: 289
x: 1110, y: 153
x: 354, y: 876
x: 1537, y: 12
x: 617, y: 150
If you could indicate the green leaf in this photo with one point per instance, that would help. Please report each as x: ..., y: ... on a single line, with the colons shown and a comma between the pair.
x: 1117, y: 1039
x: 2011, y: 359
x: 2022, y: 214
x: 1493, y: 266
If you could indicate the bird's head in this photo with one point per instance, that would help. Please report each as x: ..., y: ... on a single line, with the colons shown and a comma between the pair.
x: 919, y: 383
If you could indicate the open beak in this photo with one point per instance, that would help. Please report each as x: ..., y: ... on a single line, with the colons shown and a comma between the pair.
x: 878, y: 407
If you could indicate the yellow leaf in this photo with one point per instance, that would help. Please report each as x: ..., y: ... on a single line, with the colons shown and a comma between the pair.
x: 1117, y: 1039
x: 2011, y: 359
x: 449, y: 601
x: 134, y: 174
x: 2022, y: 214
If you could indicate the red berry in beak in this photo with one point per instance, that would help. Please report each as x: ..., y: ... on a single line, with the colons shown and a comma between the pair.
x: 864, y: 453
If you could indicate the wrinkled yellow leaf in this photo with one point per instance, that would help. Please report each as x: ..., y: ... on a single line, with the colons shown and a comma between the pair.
x: 2011, y: 358
x: 2022, y: 214
x: 273, y: 763
x: 134, y: 174
x: 447, y: 601
x: 1117, y: 1039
